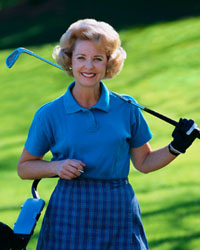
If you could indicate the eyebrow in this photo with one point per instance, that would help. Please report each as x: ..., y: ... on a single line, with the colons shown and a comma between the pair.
x: 85, y: 55
x: 79, y: 54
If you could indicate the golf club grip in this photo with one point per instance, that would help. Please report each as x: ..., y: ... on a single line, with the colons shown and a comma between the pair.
x: 167, y: 119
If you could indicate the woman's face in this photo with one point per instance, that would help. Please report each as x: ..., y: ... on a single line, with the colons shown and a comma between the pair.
x: 88, y: 63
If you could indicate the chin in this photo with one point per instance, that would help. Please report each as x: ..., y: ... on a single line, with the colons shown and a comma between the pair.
x: 89, y: 83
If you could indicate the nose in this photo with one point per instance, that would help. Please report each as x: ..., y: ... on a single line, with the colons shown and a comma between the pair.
x: 88, y: 64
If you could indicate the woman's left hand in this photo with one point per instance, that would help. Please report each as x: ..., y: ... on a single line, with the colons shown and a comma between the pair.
x: 184, y: 135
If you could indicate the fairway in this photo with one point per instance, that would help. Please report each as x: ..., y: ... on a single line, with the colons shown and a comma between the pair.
x: 162, y: 72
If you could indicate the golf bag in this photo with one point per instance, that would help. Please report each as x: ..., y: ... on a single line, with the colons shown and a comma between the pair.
x: 18, y: 237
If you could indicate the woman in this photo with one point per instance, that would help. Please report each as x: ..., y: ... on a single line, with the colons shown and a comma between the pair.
x: 92, y: 134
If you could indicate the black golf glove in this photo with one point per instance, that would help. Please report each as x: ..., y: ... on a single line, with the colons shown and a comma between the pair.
x: 184, y: 134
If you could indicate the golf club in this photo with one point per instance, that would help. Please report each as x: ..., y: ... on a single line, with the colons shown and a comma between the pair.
x: 162, y: 117
x: 12, y: 58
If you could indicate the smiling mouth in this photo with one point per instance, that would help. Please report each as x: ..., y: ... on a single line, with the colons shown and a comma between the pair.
x: 88, y: 75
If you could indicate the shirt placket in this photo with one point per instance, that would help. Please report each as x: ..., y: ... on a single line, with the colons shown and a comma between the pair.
x: 92, y: 123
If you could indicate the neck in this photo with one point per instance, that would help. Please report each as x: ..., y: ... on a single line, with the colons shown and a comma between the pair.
x: 86, y: 96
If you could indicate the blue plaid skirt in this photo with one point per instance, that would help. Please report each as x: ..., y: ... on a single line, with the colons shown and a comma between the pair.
x: 85, y: 214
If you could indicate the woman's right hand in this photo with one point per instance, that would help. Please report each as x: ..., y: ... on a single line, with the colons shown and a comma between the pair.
x: 70, y: 169
x: 34, y: 167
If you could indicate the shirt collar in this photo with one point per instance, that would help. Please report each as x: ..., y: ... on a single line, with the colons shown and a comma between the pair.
x: 71, y: 105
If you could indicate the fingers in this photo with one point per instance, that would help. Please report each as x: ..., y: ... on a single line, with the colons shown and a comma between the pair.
x: 184, y: 134
x: 76, y: 163
x: 187, y: 126
x: 69, y: 169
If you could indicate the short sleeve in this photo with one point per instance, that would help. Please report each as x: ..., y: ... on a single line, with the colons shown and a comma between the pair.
x: 140, y: 132
x: 38, y: 142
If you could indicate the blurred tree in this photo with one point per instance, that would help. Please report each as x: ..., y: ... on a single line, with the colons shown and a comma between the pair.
x: 32, y: 22
x: 34, y: 2
x: 7, y: 3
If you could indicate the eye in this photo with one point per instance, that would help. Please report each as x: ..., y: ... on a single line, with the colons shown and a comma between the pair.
x: 99, y: 59
x: 81, y: 58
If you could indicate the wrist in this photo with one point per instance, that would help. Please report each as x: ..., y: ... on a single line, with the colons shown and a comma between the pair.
x: 173, y: 151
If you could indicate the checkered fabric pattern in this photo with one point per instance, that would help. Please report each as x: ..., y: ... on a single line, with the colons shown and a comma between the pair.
x: 85, y: 214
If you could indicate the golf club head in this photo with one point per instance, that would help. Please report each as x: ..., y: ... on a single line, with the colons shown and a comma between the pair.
x: 12, y: 58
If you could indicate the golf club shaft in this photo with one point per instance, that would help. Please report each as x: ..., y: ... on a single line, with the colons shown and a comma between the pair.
x: 44, y: 60
x: 162, y: 117
x: 167, y: 119
x: 152, y: 112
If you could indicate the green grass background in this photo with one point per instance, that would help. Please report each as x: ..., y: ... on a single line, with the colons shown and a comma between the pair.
x: 162, y: 73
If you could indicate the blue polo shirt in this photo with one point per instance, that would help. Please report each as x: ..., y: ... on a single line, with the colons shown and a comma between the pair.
x: 101, y: 136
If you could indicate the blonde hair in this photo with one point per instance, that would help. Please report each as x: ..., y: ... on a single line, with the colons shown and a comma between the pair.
x: 92, y: 30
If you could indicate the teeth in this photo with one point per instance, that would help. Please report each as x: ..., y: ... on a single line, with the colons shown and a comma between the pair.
x: 88, y: 75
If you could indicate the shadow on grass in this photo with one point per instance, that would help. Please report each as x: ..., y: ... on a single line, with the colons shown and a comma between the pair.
x: 180, y: 243
x: 10, y: 208
x: 9, y: 164
x: 186, y: 208
x: 177, y: 212
x: 167, y: 187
